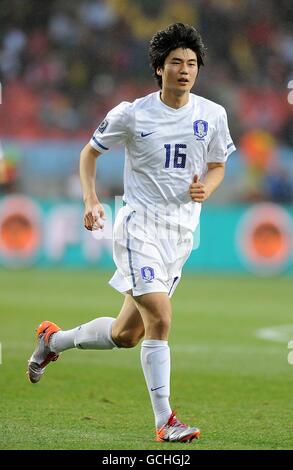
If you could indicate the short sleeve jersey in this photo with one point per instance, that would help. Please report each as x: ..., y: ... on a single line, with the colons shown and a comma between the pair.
x: 164, y: 149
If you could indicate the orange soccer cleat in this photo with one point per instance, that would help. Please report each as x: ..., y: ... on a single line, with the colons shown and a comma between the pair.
x: 175, y: 431
x: 42, y: 355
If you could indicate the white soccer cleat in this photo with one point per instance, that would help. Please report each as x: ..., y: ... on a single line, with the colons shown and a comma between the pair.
x: 42, y: 355
x: 175, y: 431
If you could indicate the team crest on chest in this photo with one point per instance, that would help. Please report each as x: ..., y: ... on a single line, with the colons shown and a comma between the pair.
x: 147, y: 273
x: 200, y: 129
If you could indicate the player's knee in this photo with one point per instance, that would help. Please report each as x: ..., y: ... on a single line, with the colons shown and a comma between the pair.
x: 161, y: 323
x: 165, y: 321
x: 126, y: 340
x: 130, y: 342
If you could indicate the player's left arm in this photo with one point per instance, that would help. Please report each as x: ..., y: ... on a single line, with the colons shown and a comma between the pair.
x: 200, y: 191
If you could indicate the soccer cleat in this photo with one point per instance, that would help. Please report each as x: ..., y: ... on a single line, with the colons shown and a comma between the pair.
x: 175, y: 431
x: 42, y: 355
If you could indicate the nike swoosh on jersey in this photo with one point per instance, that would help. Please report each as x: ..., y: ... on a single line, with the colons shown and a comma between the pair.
x: 145, y: 134
x: 153, y: 389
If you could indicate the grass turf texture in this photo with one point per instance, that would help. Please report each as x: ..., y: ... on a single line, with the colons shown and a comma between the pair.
x: 236, y: 387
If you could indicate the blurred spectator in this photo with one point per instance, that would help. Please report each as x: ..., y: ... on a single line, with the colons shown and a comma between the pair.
x: 9, y: 171
x: 258, y: 148
x: 97, y: 14
x: 278, y: 186
x: 14, y: 43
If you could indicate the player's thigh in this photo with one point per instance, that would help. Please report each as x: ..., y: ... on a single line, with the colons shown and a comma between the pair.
x: 155, y: 309
x: 129, y: 323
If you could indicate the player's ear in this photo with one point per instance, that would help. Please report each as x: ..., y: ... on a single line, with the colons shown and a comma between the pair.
x: 159, y: 71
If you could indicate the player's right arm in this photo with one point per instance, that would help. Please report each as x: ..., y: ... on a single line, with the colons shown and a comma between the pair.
x: 112, y: 130
x: 93, y: 209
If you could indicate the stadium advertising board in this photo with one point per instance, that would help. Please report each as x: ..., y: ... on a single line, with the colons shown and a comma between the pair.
x: 254, y: 239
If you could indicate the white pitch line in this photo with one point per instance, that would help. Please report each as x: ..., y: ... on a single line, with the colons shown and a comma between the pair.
x: 279, y: 333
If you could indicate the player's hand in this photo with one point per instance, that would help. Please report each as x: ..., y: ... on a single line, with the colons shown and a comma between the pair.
x: 94, y: 215
x: 198, y: 191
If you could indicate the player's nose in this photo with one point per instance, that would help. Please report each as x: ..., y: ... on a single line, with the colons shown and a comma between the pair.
x: 184, y: 70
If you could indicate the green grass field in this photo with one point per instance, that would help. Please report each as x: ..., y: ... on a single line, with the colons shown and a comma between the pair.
x: 233, y: 385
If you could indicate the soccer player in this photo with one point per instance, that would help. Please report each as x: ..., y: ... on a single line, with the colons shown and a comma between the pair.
x: 176, y: 145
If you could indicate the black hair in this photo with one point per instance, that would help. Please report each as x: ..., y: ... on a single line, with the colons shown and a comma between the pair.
x: 174, y: 36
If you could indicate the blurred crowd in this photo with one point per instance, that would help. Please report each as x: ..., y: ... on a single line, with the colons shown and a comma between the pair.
x: 64, y: 64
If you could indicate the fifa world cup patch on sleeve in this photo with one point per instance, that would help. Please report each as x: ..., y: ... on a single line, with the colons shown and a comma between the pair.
x: 103, y: 126
x: 147, y: 273
x: 200, y: 128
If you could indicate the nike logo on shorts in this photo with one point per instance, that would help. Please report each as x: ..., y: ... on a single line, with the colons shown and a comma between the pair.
x: 145, y: 134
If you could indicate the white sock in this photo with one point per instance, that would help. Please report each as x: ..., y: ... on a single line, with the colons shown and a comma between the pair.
x: 155, y: 361
x: 95, y: 334
x: 62, y: 340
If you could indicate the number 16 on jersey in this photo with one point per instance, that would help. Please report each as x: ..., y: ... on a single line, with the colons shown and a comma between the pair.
x: 179, y: 159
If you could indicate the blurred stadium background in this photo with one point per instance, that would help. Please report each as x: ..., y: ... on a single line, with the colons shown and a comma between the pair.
x: 63, y: 65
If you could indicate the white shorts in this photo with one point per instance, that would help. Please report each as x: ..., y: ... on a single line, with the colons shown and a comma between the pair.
x: 149, y: 257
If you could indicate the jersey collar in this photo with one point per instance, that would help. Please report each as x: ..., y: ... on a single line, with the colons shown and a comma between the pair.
x: 174, y: 110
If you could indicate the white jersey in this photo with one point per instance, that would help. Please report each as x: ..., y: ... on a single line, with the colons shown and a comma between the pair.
x: 164, y: 149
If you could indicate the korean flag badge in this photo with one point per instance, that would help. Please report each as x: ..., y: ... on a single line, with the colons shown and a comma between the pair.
x: 200, y: 128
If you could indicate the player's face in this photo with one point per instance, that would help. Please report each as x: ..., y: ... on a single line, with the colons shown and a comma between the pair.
x: 180, y: 71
